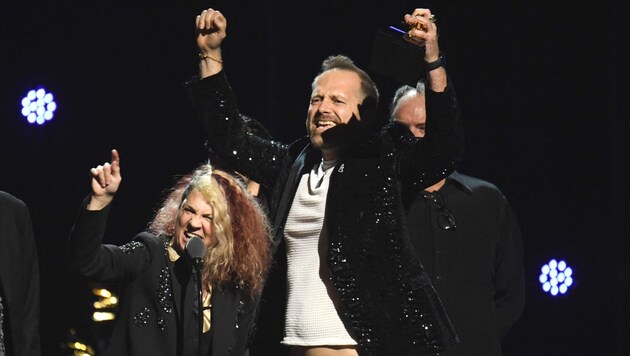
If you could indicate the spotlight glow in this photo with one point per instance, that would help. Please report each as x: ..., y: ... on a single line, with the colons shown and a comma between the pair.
x: 555, y: 277
x: 38, y: 106
x: 105, y: 306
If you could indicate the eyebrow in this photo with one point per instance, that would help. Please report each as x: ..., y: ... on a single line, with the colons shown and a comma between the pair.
x: 188, y: 206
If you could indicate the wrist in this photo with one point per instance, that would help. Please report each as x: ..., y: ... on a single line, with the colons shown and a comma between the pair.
x: 203, y: 56
x: 440, y: 62
x: 98, y: 202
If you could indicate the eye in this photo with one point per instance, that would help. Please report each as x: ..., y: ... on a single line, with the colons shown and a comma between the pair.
x: 188, y: 210
x: 208, y: 218
x: 315, y: 100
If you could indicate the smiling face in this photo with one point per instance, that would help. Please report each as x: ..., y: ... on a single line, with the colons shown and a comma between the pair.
x: 335, y: 100
x: 194, y: 219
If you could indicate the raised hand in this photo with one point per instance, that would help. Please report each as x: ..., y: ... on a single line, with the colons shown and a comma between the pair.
x: 423, y: 30
x: 106, y: 180
x: 211, y: 27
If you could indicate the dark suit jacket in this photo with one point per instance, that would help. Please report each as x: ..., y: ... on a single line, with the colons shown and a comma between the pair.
x: 151, y: 318
x: 19, y: 278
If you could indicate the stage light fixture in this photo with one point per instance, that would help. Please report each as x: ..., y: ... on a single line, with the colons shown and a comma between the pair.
x: 38, y: 106
x: 556, y: 277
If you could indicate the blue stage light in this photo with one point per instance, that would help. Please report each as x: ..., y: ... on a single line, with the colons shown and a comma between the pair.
x: 555, y: 277
x: 38, y: 106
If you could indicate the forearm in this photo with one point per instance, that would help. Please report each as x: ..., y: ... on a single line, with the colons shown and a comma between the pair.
x: 210, y: 63
x: 215, y: 108
x: 427, y: 161
x: 437, y: 78
x: 445, y: 129
x: 99, y: 202
x: 86, y: 237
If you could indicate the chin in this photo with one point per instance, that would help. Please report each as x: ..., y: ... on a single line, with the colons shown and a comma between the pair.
x: 317, y: 141
x: 181, y: 245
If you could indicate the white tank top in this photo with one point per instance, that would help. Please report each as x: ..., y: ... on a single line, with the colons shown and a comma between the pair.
x: 311, y: 316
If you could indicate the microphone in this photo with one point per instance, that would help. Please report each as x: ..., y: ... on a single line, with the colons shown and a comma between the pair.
x: 195, y: 250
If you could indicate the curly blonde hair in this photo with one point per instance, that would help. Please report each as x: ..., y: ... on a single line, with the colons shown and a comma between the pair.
x: 240, y: 253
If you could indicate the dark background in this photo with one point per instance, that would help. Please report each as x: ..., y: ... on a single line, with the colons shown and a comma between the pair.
x: 542, y: 87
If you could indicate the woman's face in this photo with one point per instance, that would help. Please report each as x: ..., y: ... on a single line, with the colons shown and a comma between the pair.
x: 194, y: 219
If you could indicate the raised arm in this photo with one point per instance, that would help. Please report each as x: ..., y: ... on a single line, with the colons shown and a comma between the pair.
x: 216, y: 109
x: 423, y: 30
x: 428, y: 160
x: 87, y: 254
x: 211, y: 28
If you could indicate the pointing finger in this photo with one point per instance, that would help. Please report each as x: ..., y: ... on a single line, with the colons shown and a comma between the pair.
x: 115, y: 162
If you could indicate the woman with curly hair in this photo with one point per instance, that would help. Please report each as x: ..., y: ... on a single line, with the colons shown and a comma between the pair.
x: 158, y: 306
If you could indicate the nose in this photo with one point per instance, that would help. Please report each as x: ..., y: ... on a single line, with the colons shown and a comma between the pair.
x: 195, y: 221
x: 417, y: 132
x: 324, y: 106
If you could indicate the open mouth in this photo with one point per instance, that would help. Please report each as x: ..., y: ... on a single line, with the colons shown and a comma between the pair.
x: 322, y: 125
x: 190, y: 235
x: 325, y: 123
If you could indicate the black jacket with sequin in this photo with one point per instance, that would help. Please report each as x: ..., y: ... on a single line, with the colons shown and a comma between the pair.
x: 156, y: 315
x: 387, y: 299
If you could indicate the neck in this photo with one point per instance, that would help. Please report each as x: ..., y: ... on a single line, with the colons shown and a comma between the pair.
x: 329, y: 154
x: 436, y: 186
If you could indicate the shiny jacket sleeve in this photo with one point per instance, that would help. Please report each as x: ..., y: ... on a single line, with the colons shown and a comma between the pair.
x: 423, y: 162
x: 216, y: 109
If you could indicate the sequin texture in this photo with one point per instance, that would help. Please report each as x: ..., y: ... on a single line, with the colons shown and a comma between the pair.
x: 142, y: 318
x: 385, y: 295
x: 164, y: 293
x: 161, y: 323
x: 131, y: 247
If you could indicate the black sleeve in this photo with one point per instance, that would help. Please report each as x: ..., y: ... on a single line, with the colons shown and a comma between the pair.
x: 100, y: 262
x: 229, y: 137
x: 424, y: 162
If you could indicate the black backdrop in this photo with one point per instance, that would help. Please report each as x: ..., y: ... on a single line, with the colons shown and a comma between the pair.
x: 541, y: 85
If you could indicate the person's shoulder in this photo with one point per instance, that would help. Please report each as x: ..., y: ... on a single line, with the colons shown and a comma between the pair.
x: 296, y: 147
x: 474, y: 183
x: 150, y: 238
x: 300, y: 142
x: 8, y: 200
x: 151, y: 241
x: 481, y: 189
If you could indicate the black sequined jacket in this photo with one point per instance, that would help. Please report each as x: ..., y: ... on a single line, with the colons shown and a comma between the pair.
x: 387, y: 299
x: 151, y: 318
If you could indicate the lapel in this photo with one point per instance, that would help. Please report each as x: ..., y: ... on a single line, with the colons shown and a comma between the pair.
x: 303, y: 160
x: 336, y: 178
